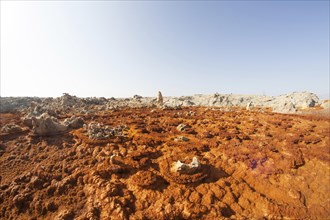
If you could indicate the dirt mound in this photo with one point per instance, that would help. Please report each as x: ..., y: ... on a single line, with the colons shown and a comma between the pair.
x: 232, y: 163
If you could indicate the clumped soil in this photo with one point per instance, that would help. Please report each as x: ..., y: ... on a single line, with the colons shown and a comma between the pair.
x: 253, y: 165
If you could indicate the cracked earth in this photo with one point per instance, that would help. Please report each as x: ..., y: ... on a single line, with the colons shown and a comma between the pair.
x: 252, y: 165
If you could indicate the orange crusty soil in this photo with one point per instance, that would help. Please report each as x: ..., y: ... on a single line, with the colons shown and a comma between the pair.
x: 253, y: 164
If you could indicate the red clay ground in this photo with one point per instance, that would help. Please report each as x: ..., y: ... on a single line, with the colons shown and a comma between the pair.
x: 253, y: 165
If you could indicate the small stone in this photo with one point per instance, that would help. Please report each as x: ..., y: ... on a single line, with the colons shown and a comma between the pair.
x: 186, y: 168
x: 181, y: 127
x: 181, y: 138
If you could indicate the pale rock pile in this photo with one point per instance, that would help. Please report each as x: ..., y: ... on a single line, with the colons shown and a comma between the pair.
x: 46, y: 125
x: 288, y: 103
x: 285, y: 107
x: 100, y: 131
x: 291, y: 103
x: 10, y: 104
x: 11, y: 128
x: 326, y: 104
x: 74, y: 122
x: 302, y: 99
x: 68, y: 100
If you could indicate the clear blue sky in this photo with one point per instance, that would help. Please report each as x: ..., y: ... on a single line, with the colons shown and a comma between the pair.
x: 113, y: 48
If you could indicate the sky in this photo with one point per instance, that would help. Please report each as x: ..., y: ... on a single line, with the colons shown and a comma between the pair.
x: 123, y: 48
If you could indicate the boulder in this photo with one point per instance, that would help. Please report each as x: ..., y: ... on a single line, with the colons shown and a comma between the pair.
x: 74, y: 122
x: 285, y: 107
x: 46, y: 125
x: 298, y: 99
x: 304, y: 99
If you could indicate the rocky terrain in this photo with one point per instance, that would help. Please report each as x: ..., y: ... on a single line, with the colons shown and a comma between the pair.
x: 193, y: 157
x: 288, y: 103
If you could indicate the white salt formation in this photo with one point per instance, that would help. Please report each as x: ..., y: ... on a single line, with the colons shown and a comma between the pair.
x: 46, y: 125
x: 184, y: 168
x: 288, y: 103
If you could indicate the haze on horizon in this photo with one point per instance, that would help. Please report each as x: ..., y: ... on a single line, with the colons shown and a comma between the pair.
x: 118, y: 49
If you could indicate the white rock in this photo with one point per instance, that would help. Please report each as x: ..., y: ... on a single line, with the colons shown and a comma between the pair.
x: 184, y: 168
x: 74, y: 122
x: 46, y: 125
x: 181, y: 127
x: 248, y: 106
x: 11, y: 128
x: 325, y: 104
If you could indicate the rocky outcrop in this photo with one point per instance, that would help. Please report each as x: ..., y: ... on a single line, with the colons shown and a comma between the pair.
x: 291, y: 103
x: 66, y: 100
x: 11, y: 104
x: 285, y: 107
x: 74, y: 122
x: 326, y: 104
x: 46, y: 125
x: 288, y: 103
x: 160, y: 100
